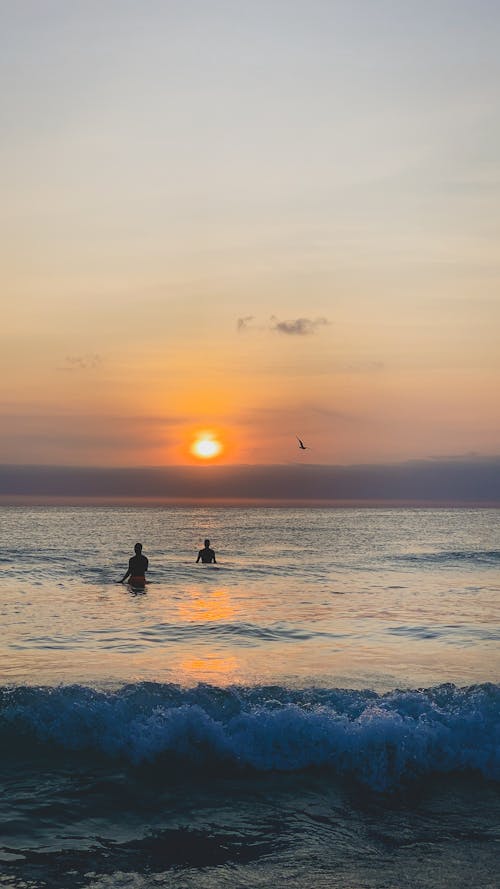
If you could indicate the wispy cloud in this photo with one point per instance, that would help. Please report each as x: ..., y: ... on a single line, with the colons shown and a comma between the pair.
x: 286, y: 417
x: 244, y: 323
x: 298, y: 326
x: 362, y: 366
x: 87, y: 361
x: 86, y: 437
x: 291, y: 327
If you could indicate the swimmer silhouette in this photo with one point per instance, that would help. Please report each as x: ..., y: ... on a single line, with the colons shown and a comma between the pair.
x: 137, y: 567
x: 206, y: 555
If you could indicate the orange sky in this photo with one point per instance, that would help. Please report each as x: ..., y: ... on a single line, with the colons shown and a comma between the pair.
x: 297, y: 240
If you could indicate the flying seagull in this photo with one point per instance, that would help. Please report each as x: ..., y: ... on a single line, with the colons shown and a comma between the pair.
x: 302, y: 446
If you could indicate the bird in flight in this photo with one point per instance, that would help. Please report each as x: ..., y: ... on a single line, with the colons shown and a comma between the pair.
x: 302, y: 446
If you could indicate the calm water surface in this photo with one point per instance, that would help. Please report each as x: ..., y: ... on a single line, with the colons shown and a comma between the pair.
x: 376, y: 598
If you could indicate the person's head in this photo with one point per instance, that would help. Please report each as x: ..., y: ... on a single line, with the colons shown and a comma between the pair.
x: 138, y: 548
x: 207, y: 543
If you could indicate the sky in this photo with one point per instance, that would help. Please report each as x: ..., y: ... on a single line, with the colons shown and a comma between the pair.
x: 249, y: 222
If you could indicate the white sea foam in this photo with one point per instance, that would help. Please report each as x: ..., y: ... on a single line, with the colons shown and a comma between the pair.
x: 380, y: 740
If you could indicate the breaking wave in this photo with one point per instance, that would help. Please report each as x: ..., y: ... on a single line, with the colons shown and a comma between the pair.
x: 382, y: 740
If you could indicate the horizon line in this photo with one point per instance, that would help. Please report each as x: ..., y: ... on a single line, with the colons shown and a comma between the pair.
x: 16, y: 500
x: 472, y: 458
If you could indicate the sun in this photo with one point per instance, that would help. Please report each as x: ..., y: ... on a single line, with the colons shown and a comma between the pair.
x: 206, y: 446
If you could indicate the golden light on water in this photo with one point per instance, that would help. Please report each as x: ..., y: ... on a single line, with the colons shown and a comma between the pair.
x: 209, y: 668
x: 214, y: 606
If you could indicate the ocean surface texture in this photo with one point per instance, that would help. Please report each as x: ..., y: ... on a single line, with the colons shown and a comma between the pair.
x: 319, y: 709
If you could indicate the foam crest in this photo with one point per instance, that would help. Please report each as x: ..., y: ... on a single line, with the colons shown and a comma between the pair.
x: 380, y: 740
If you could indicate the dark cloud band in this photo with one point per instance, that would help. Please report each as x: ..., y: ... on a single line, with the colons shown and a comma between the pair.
x: 430, y: 482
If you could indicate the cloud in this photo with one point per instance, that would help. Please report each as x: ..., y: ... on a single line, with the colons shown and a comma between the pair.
x: 244, y: 323
x: 88, y: 361
x: 298, y: 326
x: 73, y: 437
x: 362, y: 367
x: 292, y: 327
x: 425, y: 482
x: 287, y: 417
x: 468, y: 455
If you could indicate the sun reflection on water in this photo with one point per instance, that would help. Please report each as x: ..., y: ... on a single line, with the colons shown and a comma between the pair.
x: 209, y: 668
x: 214, y: 606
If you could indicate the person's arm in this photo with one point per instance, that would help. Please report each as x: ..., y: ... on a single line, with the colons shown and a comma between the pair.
x: 127, y: 573
x: 199, y: 556
x: 215, y: 560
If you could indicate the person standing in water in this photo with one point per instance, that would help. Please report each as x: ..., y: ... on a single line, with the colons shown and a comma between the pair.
x: 206, y: 555
x: 137, y: 567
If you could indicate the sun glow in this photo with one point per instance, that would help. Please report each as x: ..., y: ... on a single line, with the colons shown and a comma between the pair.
x: 206, y: 446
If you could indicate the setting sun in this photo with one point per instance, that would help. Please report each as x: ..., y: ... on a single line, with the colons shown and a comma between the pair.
x: 206, y: 447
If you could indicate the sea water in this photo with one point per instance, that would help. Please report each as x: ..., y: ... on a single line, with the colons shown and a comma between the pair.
x: 320, y: 708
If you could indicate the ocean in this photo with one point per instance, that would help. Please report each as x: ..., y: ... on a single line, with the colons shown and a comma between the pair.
x: 321, y: 708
